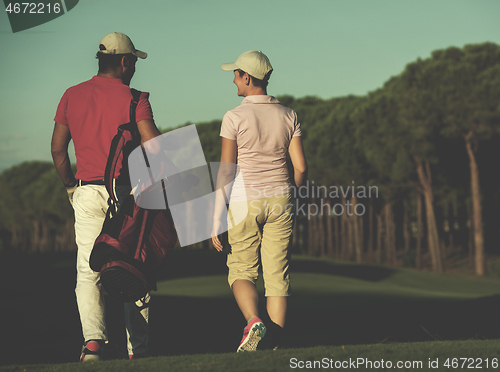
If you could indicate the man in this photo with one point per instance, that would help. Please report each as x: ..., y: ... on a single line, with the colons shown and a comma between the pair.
x: 90, y: 113
x: 257, y: 135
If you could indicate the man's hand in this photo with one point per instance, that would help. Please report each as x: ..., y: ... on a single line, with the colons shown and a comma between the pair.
x: 59, y: 149
x: 71, y: 191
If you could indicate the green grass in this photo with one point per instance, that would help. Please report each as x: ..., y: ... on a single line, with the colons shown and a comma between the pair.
x: 415, y: 356
x: 195, y: 323
x: 402, y: 283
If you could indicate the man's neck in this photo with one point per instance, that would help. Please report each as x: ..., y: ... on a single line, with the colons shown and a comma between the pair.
x: 113, y: 75
x: 110, y: 74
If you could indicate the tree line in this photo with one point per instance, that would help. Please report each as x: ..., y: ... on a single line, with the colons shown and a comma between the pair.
x: 429, y: 139
x: 35, y: 214
x: 425, y: 144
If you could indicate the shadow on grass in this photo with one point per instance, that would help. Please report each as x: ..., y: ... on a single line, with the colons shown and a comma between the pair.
x: 348, y: 270
x: 39, y: 315
x: 189, y: 263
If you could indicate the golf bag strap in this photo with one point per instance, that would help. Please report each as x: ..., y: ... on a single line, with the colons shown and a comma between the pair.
x: 116, y: 148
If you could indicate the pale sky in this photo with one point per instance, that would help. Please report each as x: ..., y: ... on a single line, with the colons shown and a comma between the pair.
x: 325, y: 48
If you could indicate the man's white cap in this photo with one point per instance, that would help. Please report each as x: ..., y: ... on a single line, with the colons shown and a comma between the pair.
x: 254, y: 62
x: 118, y: 43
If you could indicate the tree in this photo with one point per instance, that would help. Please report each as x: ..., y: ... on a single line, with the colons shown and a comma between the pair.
x: 33, y: 203
x: 382, y: 139
x: 462, y: 85
x: 421, y: 118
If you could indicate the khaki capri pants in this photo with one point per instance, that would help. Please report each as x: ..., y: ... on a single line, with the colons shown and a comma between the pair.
x: 262, y: 236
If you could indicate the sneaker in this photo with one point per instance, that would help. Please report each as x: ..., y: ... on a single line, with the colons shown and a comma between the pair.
x: 91, y: 351
x: 137, y: 356
x: 252, y: 334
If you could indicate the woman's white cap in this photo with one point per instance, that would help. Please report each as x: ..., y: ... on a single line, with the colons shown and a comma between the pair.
x: 254, y: 62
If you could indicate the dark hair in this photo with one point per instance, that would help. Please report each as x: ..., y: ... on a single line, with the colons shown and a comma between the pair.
x: 257, y: 82
x: 109, y: 62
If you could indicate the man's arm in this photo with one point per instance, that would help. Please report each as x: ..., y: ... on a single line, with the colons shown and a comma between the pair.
x: 296, y: 151
x: 59, y: 148
x: 147, y: 130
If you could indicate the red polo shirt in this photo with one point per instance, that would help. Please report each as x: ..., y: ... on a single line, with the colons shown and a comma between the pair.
x: 93, y: 110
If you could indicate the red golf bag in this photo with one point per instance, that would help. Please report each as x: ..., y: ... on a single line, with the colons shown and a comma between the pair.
x: 134, y: 242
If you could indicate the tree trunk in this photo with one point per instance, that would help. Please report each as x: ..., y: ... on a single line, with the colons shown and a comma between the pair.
x: 451, y: 239
x: 321, y: 234
x: 424, y: 176
x: 392, y: 224
x: 370, y: 230
x: 344, y: 236
x: 311, y: 249
x: 15, y: 236
x: 380, y: 229
x: 352, y: 238
x: 358, y: 244
x: 361, y: 236
x: 442, y: 245
x: 329, y: 234
x: 406, y: 229
x: 35, y: 237
x: 295, y: 234
x: 45, y: 241
x: 480, y: 261
x: 304, y: 234
x: 470, y: 225
x: 390, y: 247
x: 336, y: 223
x: 420, y: 233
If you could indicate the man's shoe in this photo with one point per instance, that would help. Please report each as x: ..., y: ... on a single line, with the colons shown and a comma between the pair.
x: 91, y: 351
x: 252, y: 334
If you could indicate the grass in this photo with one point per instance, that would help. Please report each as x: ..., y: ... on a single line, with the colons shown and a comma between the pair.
x: 440, y: 355
x: 375, y: 312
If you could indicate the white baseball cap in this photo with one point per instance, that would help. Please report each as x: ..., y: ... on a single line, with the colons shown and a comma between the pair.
x: 118, y: 43
x: 254, y: 62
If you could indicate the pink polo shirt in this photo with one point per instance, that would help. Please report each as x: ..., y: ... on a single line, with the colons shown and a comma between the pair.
x: 262, y: 128
x: 93, y: 110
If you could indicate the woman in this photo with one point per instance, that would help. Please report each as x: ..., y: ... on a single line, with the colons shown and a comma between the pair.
x: 256, y: 136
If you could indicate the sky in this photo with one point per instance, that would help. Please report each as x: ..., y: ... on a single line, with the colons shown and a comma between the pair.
x: 323, y: 48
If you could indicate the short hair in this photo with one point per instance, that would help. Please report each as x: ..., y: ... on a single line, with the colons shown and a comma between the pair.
x: 109, y: 62
x: 257, y: 82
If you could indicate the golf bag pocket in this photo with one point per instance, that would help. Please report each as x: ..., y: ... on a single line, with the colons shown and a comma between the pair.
x: 132, y: 246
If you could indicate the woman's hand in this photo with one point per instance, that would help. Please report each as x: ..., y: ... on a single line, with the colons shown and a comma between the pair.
x: 216, y: 232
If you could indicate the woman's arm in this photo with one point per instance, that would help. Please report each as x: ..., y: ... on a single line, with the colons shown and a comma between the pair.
x: 225, y: 177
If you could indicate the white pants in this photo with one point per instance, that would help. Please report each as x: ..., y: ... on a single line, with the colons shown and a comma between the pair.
x: 90, y: 205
